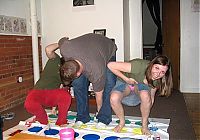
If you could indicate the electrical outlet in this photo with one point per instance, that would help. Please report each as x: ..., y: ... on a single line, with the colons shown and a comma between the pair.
x: 20, y: 79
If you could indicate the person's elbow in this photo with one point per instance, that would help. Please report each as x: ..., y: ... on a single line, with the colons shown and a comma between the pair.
x: 48, y: 51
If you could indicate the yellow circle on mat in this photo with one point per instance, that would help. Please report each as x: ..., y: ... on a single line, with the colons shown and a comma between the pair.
x: 50, y: 121
x: 83, y: 126
x: 124, y: 130
x: 95, y: 129
x: 137, y: 131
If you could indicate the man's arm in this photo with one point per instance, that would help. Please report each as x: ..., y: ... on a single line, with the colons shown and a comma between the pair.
x: 50, y: 50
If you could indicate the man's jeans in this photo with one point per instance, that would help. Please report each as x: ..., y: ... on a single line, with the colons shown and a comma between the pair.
x: 80, y: 86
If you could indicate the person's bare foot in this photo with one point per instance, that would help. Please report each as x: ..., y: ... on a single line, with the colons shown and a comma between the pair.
x: 146, y: 131
x: 118, y: 128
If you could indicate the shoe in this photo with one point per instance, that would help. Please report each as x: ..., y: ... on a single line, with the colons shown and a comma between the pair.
x: 100, y: 125
x: 78, y: 124
x: 8, y: 116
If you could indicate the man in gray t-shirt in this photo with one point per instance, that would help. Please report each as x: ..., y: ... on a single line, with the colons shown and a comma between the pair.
x: 91, y: 52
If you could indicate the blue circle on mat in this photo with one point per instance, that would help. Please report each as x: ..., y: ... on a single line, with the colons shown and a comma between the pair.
x: 153, y: 128
x: 51, y: 132
x: 91, y: 137
x: 35, y: 129
x: 111, y: 138
x: 76, y: 134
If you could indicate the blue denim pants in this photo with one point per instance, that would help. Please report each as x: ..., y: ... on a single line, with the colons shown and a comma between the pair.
x: 132, y: 99
x: 80, y: 86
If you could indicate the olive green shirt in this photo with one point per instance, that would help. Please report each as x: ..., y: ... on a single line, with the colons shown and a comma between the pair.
x: 50, y: 76
x: 138, y: 68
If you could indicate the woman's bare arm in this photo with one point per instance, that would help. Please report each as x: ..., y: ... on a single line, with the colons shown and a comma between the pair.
x: 118, y: 68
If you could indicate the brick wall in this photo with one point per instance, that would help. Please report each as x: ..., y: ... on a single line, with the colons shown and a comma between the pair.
x: 15, y: 60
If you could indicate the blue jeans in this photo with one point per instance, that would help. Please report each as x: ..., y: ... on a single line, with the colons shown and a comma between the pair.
x: 80, y: 86
x: 132, y: 99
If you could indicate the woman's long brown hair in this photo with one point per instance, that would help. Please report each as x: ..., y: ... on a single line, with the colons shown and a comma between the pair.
x: 165, y: 83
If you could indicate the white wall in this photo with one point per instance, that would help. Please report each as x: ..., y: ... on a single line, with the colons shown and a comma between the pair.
x: 126, y: 21
x: 135, y: 13
x: 132, y: 11
x: 6, y: 7
x: 189, y: 59
x: 60, y: 18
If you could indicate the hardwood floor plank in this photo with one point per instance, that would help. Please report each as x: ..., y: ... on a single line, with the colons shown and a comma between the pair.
x: 193, y: 106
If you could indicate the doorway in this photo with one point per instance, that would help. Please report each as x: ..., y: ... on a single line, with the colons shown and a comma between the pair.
x: 170, y: 21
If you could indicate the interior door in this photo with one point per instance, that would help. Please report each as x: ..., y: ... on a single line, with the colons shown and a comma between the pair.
x: 171, y: 36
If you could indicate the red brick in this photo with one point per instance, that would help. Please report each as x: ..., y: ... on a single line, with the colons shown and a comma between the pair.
x: 15, y: 59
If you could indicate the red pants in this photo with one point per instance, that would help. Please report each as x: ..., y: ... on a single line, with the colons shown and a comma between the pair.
x: 36, y: 99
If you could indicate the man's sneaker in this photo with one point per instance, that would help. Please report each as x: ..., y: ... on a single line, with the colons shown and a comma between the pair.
x: 78, y: 124
x: 100, y: 125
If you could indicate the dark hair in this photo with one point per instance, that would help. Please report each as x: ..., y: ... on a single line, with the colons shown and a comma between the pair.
x: 165, y: 83
x: 68, y: 71
x: 62, y: 61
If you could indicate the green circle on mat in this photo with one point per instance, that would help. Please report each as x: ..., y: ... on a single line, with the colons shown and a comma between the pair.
x: 53, y: 116
x: 126, y: 121
x: 71, y: 117
x: 138, y: 123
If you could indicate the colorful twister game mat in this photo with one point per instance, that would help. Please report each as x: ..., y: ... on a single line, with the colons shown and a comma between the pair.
x: 88, y: 131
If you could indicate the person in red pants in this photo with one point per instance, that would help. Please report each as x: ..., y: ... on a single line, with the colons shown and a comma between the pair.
x: 48, y: 91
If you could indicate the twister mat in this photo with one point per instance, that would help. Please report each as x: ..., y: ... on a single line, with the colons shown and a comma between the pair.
x: 88, y: 131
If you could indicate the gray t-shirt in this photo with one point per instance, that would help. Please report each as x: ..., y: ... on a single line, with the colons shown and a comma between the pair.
x: 94, y: 52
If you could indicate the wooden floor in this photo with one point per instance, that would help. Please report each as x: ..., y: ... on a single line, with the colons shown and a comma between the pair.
x: 193, y: 105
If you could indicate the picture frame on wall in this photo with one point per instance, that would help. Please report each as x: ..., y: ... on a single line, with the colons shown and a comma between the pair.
x: 82, y: 2
x: 100, y: 31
